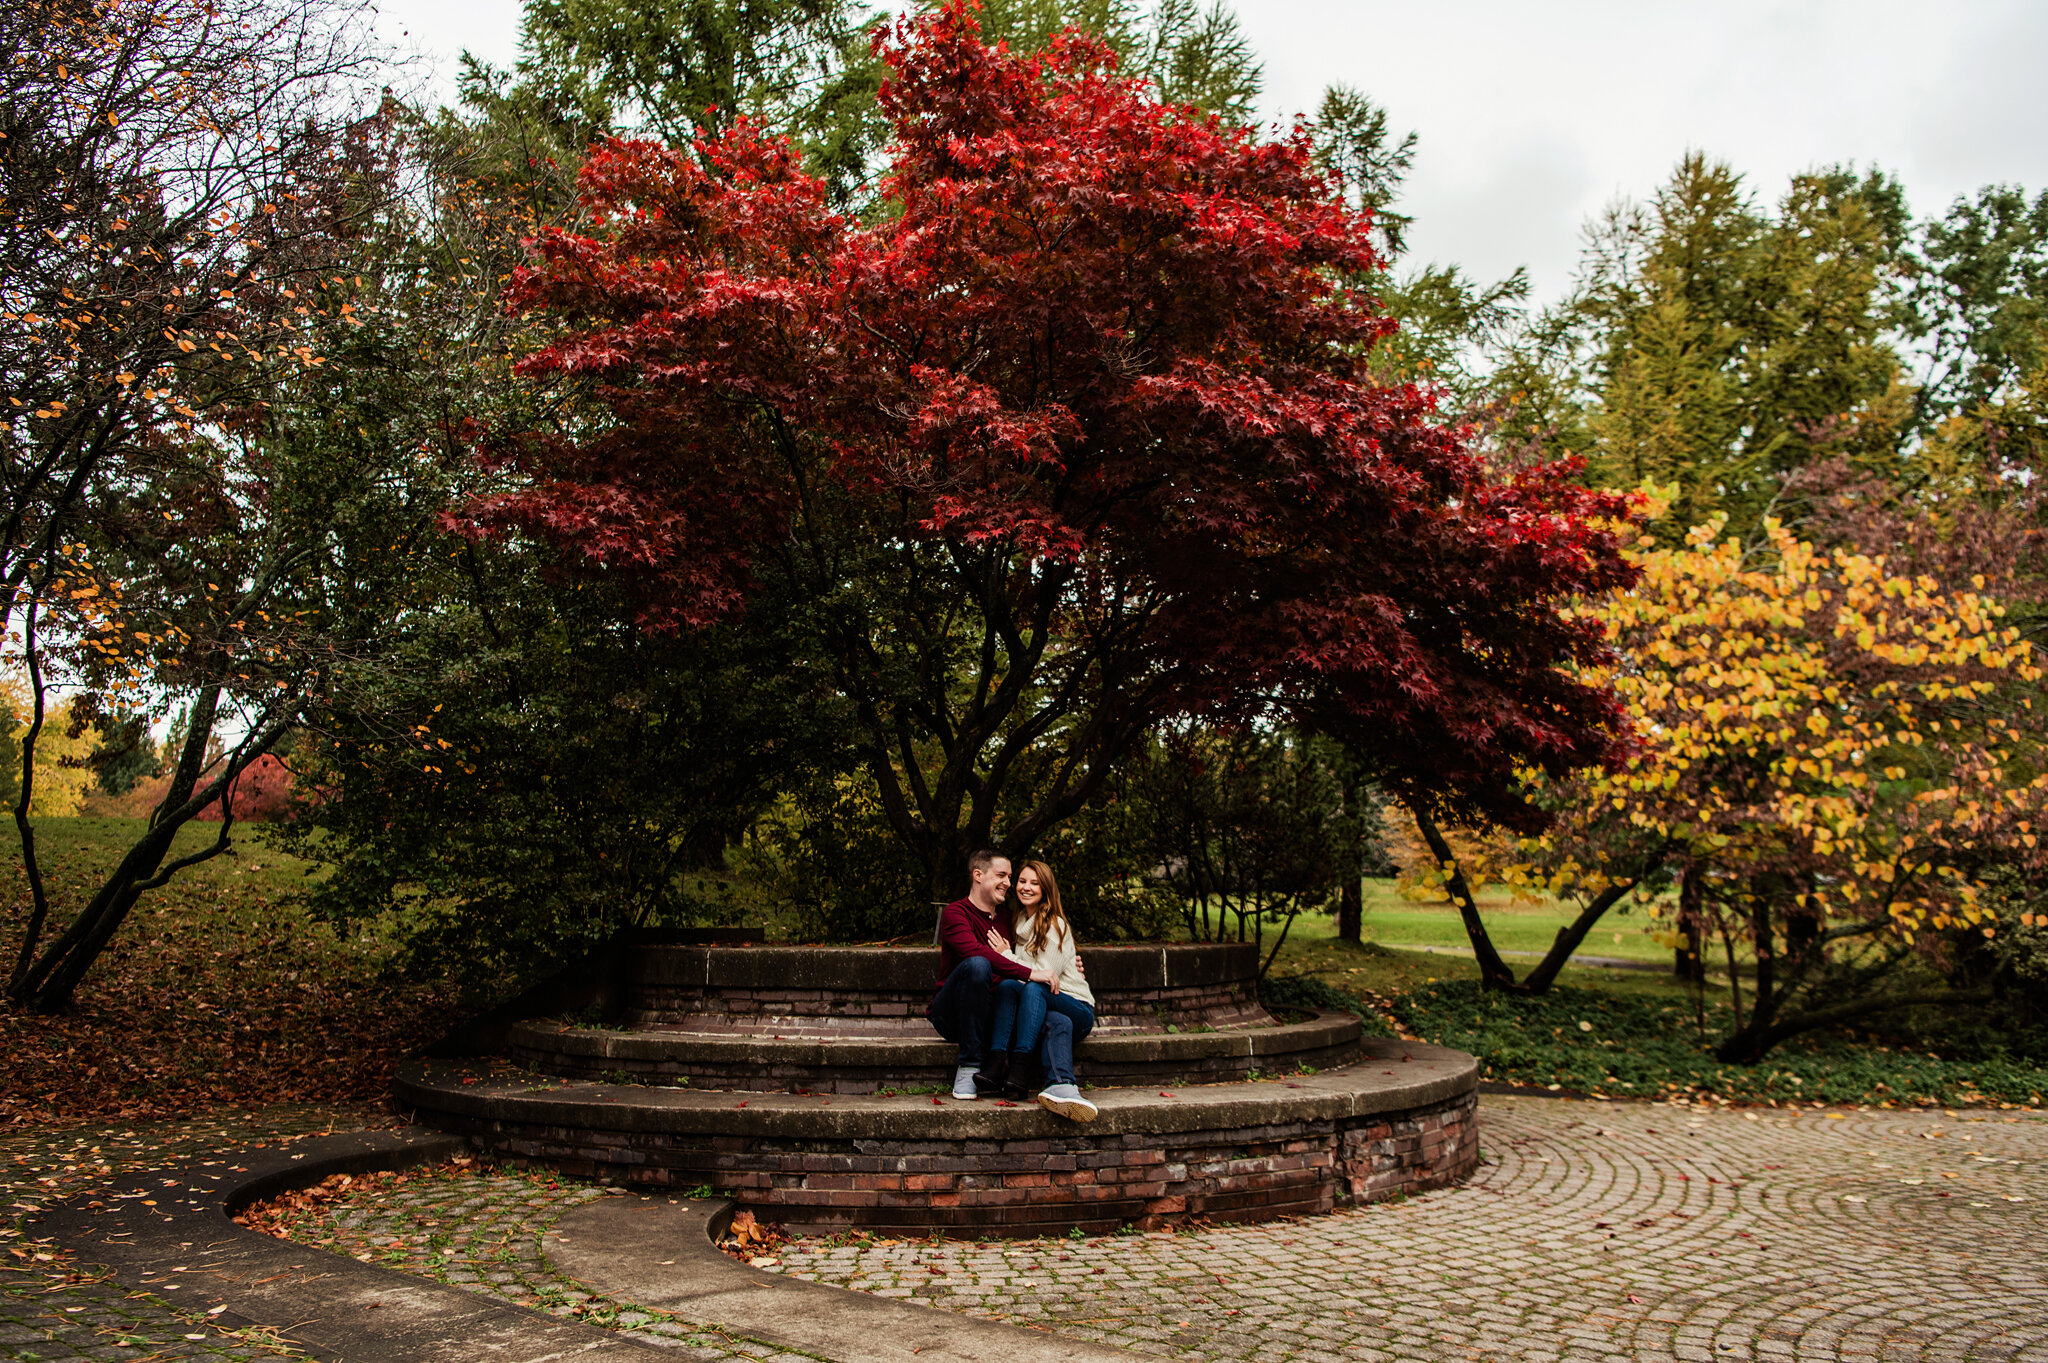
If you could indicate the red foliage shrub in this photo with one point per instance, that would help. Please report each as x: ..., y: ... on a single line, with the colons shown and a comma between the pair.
x: 261, y: 793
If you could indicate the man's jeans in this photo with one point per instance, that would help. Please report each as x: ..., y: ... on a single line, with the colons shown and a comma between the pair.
x: 961, y: 1010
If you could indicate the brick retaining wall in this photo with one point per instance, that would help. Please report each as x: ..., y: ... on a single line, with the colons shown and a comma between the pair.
x: 1142, y: 988
x: 735, y: 1008
x: 1227, y: 1153
x: 1027, y: 1187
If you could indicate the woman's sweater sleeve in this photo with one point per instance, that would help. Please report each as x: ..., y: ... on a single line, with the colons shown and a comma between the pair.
x: 1059, y: 957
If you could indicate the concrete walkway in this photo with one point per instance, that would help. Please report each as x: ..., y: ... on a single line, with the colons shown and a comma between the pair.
x: 193, y: 1284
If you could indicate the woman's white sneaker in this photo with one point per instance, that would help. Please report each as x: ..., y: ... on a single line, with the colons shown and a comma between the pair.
x: 963, y: 1083
x: 1066, y: 1100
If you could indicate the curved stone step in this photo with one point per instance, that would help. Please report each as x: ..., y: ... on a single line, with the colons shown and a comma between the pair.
x: 1397, y: 1122
x: 864, y: 1064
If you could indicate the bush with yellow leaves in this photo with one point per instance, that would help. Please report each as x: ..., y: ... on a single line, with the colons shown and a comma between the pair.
x: 1834, y: 756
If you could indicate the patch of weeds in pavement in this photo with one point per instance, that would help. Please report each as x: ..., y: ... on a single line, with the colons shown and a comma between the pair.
x: 1616, y: 1045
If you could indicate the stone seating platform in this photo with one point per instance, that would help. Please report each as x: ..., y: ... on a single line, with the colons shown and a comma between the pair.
x: 851, y: 1020
x: 806, y: 1083
x: 1398, y: 1121
x: 812, y: 1058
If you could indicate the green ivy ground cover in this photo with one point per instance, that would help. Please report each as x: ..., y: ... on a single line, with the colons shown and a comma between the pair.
x: 1619, y: 1045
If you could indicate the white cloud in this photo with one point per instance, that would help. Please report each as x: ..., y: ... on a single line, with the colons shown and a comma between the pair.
x: 437, y: 32
x: 1532, y: 112
x: 1533, y: 116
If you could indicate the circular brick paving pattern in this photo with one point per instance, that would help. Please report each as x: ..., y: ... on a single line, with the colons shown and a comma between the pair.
x: 1593, y: 1230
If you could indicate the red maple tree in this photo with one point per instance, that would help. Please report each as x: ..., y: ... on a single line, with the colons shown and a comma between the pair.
x: 1078, y: 435
x: 259, y: 794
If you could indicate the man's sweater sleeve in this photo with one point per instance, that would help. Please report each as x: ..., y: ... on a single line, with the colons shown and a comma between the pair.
x: 962, y: 936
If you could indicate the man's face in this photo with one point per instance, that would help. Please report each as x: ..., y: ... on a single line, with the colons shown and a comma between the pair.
x: 992, y: 883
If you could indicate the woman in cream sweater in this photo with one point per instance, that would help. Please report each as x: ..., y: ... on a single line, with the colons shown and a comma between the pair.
x: 1048, y: 1019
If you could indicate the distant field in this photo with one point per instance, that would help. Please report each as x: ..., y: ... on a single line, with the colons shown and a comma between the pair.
x: 1394, y: 921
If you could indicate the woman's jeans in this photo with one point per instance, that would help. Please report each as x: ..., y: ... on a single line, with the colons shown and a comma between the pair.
x: 1029, y: 1016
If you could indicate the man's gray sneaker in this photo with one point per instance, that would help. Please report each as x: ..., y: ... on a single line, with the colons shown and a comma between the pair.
x: 1066, y: 1100
x: 963, y: 1082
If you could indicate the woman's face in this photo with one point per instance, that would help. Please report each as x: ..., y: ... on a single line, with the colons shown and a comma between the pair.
x: 1029, y: 891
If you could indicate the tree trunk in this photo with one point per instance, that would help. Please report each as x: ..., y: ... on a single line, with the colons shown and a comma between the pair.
x: 1570, y: 938
x: 39, y: 898
x: 1687, y: 962
x: 1351, y: 908
x: 48, y: 985
x: 1493, y: 971
x: 1752, y: 1043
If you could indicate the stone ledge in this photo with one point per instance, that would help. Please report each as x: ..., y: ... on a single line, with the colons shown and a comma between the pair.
x: 1326, y: 1030
x: 1401, y: 1122
x: 1393, y: 1076
x: 873, y: 970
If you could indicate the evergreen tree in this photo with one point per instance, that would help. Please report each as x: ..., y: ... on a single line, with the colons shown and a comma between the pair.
x: 671, y: 69
x: 1980, y: 302
x: 1449, y: 321
x: 1726, y: 345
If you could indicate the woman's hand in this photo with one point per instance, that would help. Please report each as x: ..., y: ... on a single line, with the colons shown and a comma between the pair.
x: 1048, y: 978
x: 997, y: 942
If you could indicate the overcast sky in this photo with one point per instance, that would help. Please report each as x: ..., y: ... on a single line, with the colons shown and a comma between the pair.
x: 1533, y: 116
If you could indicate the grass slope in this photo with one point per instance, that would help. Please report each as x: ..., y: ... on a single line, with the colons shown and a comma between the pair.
x: 217, y: 991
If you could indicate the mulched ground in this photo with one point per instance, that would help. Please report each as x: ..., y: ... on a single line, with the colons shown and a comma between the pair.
x: 217, y: 993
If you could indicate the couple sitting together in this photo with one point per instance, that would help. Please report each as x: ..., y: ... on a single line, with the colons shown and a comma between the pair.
x: 1011, y: 994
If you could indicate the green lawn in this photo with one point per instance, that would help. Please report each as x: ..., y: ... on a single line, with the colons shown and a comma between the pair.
x: 1391, y: 971
x: 218, y: 990
x: 1396, y: 921
x: 1623, y: 1033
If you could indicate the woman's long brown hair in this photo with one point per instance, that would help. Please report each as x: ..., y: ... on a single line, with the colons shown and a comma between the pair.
x: 1049, y: 914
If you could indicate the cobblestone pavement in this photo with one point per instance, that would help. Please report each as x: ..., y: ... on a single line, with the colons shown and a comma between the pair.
x: 51, y: 1308
x: 481, y: 1229
x: 1593, y: 1231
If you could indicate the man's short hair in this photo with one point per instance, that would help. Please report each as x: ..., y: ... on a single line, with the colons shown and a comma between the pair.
x: 981, y: 857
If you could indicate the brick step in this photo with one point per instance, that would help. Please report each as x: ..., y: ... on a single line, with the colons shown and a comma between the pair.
x: 913, y: 1057
x: 1398, y: 1121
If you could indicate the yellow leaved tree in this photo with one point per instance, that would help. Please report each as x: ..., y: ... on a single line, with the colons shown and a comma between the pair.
x: 1833, y: 760
x: 1834, y: 754
x: 62, y: 776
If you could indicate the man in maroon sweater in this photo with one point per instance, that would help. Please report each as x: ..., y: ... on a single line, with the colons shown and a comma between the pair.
x: 971, y: 960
